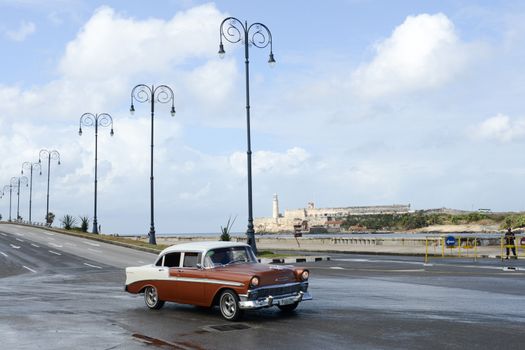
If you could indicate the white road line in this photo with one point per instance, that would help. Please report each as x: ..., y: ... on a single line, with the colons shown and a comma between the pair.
x: 52, y: 252
x: 337, y: 268
x: 95, y: 266
x: 95, y: 250
x: 49, y: 233
x: 70, y: 244
x: 3, y: 234
x: 15, y: 246
x: 93, y: 244
x: 55, y: 245
x: 4, y: 254
x: 27, y: 268
x: 353, y: 260
x: 140, y: 261
x: 19, y: 240
x: 34, y: 245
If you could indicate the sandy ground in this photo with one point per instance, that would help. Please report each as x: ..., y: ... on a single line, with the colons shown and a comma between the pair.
x: 474, y: 228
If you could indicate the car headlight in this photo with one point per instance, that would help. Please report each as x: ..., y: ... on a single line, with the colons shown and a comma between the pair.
x: 305, y: 275
x: 254, y: 282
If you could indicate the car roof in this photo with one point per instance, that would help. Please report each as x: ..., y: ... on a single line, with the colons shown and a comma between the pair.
x: 201, y: 246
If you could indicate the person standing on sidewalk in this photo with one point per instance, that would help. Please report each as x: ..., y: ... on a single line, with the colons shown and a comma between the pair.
x: 510, y: 243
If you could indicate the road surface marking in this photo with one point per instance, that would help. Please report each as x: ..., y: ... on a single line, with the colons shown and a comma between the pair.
x: 20, y: 240
x: 4, y: 254
x: 3, y: 234
x: 49, y: 233
x: 34, y: 245
x: 337, y: 268
x: 27, y: 268
x: 353, y: 260
x: 140, y: 262
x: 95, y: 250
x: 52, y: 252
x: 15, y: 246
x: 55, y: 245
x: 71, y: 244
x: 95, y: 266
x: 93, y: 244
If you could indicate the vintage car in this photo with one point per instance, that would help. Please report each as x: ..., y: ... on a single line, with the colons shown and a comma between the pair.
x: 226, y: 274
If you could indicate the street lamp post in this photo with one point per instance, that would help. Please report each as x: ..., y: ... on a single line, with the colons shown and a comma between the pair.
x: 31, y: 166
x: 16, y: 181
x: 234, y: 30
x: 95, y: 120
x: 10, y: 186
x: 162, y: 94
x: 44, y: 153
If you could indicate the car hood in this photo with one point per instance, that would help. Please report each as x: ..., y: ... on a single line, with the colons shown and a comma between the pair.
x: 268, y: 274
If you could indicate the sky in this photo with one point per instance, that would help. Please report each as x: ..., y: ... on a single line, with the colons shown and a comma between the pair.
x: 370, y: 103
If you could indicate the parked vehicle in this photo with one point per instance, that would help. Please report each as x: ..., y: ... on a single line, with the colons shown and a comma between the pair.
x: 226, y: 274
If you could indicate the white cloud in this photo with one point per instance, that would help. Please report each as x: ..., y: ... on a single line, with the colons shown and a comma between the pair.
x: 197, y: 194
x: 208, y: 81
x: 500, y: 128
x: 24, y: 30
x: 423, y: 52
x: 112, y: 53
x: 289, y: 162
x: 110, y: 44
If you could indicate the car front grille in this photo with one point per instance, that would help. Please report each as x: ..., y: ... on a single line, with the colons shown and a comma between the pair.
x: 278, y: 290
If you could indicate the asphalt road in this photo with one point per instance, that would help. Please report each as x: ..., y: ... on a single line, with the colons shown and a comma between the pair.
x: 63, y: 292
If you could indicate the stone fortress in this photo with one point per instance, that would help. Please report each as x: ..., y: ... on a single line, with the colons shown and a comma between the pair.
x: 317, y: 220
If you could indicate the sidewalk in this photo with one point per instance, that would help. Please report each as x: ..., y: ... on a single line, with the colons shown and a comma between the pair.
x: 392, y: 246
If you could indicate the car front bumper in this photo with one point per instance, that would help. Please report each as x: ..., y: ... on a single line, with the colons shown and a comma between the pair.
x: 273, y: 300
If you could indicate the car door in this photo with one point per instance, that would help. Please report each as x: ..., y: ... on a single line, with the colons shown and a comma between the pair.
x: 190, y: 279
x: 167, y: 288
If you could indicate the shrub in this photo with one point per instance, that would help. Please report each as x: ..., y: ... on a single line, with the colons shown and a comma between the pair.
x: 513, y: 221
x: 225, y: 231
x: 68, y: 221
x: 84, y: 223
x: 473, y: 217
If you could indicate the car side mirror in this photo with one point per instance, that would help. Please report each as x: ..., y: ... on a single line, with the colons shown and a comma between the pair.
x: 199, y: 266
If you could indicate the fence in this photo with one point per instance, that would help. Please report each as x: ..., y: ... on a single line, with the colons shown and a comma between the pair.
x: 457, y: 246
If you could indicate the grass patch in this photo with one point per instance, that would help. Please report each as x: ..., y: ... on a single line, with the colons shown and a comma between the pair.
x: 111, y: 239
x: 270, y: 255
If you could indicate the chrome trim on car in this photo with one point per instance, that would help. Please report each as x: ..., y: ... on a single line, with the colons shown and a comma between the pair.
x: 274, y: 300
x: 206, y: 280
x: 279, y: 286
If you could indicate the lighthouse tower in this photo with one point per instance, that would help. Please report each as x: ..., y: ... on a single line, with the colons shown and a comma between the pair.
x: 275, y: 211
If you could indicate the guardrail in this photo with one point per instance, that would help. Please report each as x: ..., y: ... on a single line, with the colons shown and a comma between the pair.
x: 25, y: 222
x: 453, y: 246
x: 457, y: 246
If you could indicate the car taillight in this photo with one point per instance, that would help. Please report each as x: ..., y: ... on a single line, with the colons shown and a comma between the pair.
x: 254, y: 282
x: 305, y: 275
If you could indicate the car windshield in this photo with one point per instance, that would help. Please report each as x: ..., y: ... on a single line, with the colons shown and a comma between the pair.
x: 229, y: 255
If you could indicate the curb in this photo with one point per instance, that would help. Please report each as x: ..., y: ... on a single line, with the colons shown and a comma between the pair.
x: 294, y: 259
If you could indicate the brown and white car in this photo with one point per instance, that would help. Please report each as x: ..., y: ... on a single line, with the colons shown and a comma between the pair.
x: 226, y: 274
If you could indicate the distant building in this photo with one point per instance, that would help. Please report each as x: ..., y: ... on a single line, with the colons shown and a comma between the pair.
x: 318, y: 219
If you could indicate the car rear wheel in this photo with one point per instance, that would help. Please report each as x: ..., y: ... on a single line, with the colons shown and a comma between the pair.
x: 288, y: 308
x: 151, y: 298
x: 229, y: 305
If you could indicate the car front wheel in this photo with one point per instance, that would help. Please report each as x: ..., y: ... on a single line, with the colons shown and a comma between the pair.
x: 229, y: 305
x: 151, y: 298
